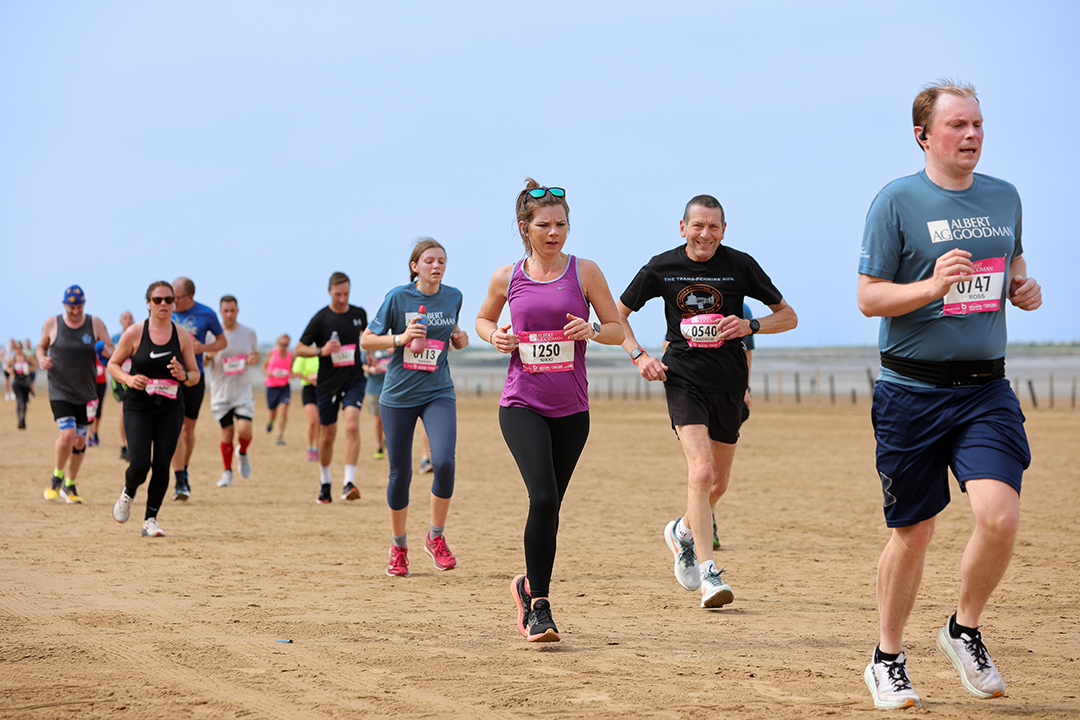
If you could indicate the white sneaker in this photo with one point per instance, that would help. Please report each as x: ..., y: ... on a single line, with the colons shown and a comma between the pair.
x: 686, y: 565
x: 226, y: 479
x: 245, y: 465
x: 121, y: 511
x: 150, y: 528
x: 889, y: 684
x: 968, y: 655
x: 714, y: 591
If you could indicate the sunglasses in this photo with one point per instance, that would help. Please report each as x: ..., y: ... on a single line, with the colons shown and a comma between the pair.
x: 541, y: 192
x: 168, y: 300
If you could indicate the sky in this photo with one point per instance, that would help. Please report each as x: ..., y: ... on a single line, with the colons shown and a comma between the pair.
x: 259, y: 146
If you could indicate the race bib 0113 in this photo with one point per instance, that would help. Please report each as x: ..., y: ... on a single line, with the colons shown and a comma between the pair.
x: 427, y: 359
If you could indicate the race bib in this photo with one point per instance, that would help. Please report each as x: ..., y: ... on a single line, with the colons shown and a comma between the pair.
x: 279, y: 372
x: 91, y: 410
x: 546, y: 351
x: 426, y: 359
x: 126, y: 365
x: 702, y: 331
x: 981, y: 293
x: 345, y: 356
x: 163, y: 387
x: 21, y: 368
x: 383, y: 363
x: 234, y: 365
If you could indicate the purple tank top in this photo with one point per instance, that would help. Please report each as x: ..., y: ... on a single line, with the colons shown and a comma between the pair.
x: 539, y: 307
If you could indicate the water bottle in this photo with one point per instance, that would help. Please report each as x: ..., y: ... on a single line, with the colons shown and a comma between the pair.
x: 334, y: 336
x: 417, y: 345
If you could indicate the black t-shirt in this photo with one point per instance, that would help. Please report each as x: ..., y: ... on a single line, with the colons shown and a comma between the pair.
x: 689, y: 288
x: 345, y: 369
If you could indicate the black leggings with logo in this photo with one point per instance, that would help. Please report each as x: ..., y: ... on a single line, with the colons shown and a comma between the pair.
x: 152, y: 438
x: 546, y: 450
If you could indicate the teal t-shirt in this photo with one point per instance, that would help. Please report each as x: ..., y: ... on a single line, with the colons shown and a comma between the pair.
x: 911, y: 223
x: 406, y: 386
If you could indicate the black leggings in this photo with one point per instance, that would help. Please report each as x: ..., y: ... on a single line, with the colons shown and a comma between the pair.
x: 156, y: 432
x: 20, y: 385
x: 546, y: 450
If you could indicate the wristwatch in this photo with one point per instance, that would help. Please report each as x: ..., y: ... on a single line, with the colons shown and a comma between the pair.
x: 754, y: 326
x: 635, y: 354
x: 596, y: 330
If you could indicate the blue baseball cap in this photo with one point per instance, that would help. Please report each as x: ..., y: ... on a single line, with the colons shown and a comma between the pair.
x: 74, y: 296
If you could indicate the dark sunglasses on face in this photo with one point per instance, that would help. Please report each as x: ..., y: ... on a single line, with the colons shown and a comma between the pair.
x: 168, y: 300
x: 541, y: 192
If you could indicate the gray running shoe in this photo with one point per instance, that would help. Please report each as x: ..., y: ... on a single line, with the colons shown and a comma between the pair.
x: 245, y: 465
x: 889, y: 684
x: 226, y: 479
x: 714, y: 591
x: 968, y: 655
x: 121, y: 511
x: 686, y: 565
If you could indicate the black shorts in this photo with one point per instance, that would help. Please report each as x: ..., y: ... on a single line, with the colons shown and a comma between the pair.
x: 352, y: 396
x: 71, y: 415
x: 721, y: 412
x: 230, y: 416
x: 101, y: 397
x: 193, y: 397
x: 307, y: 394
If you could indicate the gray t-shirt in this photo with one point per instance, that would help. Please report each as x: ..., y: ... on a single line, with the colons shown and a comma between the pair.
x: 911, y: 223
x: 230, y: 386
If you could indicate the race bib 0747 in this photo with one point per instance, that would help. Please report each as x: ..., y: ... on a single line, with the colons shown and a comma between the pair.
x: 981, y: 293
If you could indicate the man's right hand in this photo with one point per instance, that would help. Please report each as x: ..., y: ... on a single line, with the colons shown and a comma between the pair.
x: 650, y: 368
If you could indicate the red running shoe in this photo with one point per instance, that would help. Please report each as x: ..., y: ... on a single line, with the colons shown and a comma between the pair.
x: 399, y: 562
x: 436, y: 548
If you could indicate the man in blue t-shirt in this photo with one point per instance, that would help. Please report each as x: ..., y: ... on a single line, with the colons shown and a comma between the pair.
x: 941, y: 253
x: 198, y: 320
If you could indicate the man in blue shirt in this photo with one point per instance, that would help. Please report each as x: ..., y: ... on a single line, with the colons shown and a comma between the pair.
x: 198, y: 320
x: 941, y: 253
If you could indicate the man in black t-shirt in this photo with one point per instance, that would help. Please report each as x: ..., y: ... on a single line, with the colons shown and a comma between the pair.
x: 333, y: 336
x: 704, y: 370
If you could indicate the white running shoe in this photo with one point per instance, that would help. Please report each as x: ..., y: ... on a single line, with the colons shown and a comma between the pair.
x: 889, y: 684
x: 714, y: 591
x: 245, y: 465
x: 226, y: 479
x: 968, y: 655
x: 686, y: 565
x: 121, y: 511
x: 150, y: 528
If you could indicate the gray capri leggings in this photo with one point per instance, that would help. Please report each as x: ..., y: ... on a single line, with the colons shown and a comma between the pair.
x: 399, y: 424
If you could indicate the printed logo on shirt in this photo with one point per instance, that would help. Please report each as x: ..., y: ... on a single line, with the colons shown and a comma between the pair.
x: 697, y: 299
x: 965, y: 229
x: 155, y: 355
x: 87, y: 338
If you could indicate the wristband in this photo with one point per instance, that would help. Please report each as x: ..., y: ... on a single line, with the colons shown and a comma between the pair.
x: 492, y: 335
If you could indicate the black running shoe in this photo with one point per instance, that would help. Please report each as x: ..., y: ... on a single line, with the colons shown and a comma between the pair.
x: 324, y: 495
x: 182, y: 491
x: 124, y: 454
x: 541, y: 626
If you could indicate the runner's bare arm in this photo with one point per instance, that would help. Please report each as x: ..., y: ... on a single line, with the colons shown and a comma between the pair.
x: 187, y: 349
x: 100, y: 333
x: 649, y: 367
x: 1024, y: 292
x: 47, y: 330
x: 487, y: 320
x: 878, y: 297
x: 783, y: 318
x: 598, y: 295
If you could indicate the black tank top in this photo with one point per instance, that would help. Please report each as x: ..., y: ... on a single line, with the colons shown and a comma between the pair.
x: 72, y: 378
x: 153, y: 361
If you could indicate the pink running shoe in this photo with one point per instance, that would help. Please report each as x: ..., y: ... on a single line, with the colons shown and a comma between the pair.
x: 399, y: 562
x: 312, y: 455
x: 436, y: 548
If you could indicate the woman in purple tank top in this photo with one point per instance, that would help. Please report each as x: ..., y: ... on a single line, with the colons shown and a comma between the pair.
x: 544, y: 410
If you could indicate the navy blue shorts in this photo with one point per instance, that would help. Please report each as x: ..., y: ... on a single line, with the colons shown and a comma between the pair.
x: 330, y: 404
x: 977, y: 431
x: 277, y: 395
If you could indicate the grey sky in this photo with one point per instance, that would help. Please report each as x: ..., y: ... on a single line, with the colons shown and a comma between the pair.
x: 259, y: 146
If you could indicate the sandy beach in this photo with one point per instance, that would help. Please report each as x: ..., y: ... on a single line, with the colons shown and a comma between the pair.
x: 100, y: 622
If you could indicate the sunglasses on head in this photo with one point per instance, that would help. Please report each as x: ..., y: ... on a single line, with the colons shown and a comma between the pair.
x: 168, y: 300
x: 541, y: 192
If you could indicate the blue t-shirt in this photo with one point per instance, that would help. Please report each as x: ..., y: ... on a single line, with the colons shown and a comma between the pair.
x: 748, y: 340
x: 375, y: 380
x: 403, y: 387
x: 198, y: 320
x: 911, y: 223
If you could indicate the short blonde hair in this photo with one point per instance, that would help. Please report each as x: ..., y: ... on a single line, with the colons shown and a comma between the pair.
x: 925, y: 105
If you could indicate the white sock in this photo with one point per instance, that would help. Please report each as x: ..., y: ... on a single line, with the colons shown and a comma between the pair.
x: 682, y: 532
x: 350, y: 474
x: 706, y: 567
x: 324, y: 474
